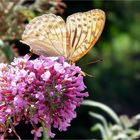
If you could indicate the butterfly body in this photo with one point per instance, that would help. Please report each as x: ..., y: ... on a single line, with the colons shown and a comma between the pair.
x: 50, y: 35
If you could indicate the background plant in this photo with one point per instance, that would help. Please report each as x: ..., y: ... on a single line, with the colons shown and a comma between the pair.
x: 122, y: 126
x: 14, y: 15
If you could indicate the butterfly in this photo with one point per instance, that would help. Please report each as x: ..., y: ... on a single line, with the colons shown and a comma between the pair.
x: 50, y: 35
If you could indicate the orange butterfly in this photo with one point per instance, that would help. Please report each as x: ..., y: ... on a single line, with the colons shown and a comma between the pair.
x: 49, y: 34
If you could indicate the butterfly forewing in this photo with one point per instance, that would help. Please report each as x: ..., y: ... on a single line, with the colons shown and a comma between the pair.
x: 75, y: 31
x: 46, y: 35
x: 84, y: 30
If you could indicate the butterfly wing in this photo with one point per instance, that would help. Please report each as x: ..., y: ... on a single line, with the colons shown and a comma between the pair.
x: 84, y: 30
x: 46, y: 35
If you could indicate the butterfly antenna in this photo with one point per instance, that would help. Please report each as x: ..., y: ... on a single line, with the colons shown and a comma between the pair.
x: 86, y: 74
x: 89, y: 75
x: 93, y: 62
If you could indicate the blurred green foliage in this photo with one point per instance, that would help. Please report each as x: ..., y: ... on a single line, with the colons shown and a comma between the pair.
x: 116, y: 79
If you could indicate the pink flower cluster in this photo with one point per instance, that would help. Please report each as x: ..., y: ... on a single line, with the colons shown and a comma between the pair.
x: 45, y: 90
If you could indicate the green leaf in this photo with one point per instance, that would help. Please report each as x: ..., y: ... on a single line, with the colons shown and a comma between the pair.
x: 7, y: 51
x: 101, y: 129
x: 104, y: 122
x: 99, y: 117
x: 104, y: 108
x: 121, y: 136
x: 136, y: 135
x: 130, y: 131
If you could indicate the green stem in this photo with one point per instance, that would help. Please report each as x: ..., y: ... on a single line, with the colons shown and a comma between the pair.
x: 44, y: 132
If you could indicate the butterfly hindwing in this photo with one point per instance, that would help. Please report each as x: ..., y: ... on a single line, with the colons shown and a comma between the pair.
x: 46, y: 35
